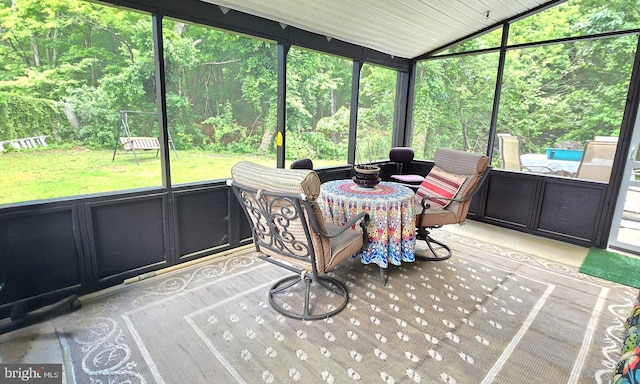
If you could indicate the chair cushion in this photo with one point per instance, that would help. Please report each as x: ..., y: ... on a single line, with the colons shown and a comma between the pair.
x: 460, y: 163
x: 277, y: 179
x: 412, y: 179
x: 439, y: 183
x: 343, y: 246
x: 436, y: 217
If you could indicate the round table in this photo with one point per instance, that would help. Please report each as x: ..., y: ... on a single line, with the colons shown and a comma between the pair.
x: 392, y: 236
x: 539, y: 163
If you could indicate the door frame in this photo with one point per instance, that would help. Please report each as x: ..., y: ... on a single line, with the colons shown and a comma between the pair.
x: 628, y: 181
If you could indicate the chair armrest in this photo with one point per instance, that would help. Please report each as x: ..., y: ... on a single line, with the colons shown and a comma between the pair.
x: 354, y: 220
x: 363, y: 217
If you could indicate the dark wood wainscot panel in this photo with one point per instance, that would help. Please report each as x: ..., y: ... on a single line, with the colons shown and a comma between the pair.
x: 127, y: 237
x: 510, y: 199
x: 335, y: 174
x: 244, y: 229
x: 202, y: 220
x: 570, y: 209
x: 40, y: 257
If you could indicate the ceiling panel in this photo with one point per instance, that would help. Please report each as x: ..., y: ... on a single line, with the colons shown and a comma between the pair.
x: 402, y: 28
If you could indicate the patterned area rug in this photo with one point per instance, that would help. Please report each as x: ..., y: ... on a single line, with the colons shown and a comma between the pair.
x: 487, y: 315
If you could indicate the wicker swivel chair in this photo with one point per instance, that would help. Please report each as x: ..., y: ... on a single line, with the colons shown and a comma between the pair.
x: 470, y: 170
x: 289, y: 231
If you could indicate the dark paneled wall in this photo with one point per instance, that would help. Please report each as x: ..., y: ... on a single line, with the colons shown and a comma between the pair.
x: 501, y: 208
x: 558, y: 208
x: 568, y: 210
x: 50, y: 250
x: 202, y: 221
x: 127, y: 235
x: 40, y: 255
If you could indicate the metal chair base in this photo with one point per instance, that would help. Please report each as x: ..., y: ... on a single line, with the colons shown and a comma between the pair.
x: 283, y: 301
x: 437, y: 251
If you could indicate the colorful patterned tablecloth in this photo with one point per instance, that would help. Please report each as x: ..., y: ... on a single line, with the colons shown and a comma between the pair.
x: 392, y: 233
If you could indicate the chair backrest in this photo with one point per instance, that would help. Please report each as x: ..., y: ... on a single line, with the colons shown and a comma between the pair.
x: 471, y: 165
x: 401, y: 156
x: 606, y: 138
x: 281, y: 207
x: 510, y: 152
x: 597, y: 160
x: 305, y: 163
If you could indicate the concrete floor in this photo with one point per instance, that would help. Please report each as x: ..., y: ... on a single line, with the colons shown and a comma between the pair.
x: 36, y: 344
x: 40, y: 344
x: 545, y: 248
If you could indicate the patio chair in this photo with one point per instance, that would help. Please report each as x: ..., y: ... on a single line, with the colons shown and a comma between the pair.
x: 597, y: 160
x: 510, y: 147
x: 305, y: 163
x: 613, y: 139
x: 445, y: 195
x: 402, y: 156
x: 289, y: 231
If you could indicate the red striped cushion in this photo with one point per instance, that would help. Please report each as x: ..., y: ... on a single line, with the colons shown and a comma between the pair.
x: 439, y: 183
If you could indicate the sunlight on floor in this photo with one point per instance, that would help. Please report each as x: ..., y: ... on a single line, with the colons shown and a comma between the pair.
x: 549, y: 249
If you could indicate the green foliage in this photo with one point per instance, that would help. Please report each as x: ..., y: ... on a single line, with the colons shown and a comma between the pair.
x: 97, y: 121
x: 318, y: 102
x: 221, y: 87
x: 22, y: 117
x: 454, y: 100
x: 577, y: 93
x: 331, y: 138
x: 550, y: 94
x: 228, y: 136
x: 376, y: 110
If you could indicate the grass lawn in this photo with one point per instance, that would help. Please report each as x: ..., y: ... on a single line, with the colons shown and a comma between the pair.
x: 48, y: 173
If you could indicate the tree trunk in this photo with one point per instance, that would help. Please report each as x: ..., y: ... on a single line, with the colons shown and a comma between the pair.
x: 334, y: 102
x: 267, y: 138
x: 54, y: 55
x: 36, y: 52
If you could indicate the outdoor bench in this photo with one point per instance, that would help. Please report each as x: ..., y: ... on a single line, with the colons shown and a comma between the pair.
x: 140, y: 143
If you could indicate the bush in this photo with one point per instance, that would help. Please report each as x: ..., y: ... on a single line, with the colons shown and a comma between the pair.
x: 22, y: 116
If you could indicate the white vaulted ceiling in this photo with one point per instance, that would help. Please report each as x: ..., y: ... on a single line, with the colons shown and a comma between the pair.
x: 402, y: 28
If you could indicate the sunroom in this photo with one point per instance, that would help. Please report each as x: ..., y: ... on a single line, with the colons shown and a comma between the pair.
x: 214, y: 82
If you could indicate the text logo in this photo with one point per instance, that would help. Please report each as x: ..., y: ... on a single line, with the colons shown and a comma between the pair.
x: 31, y: 373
